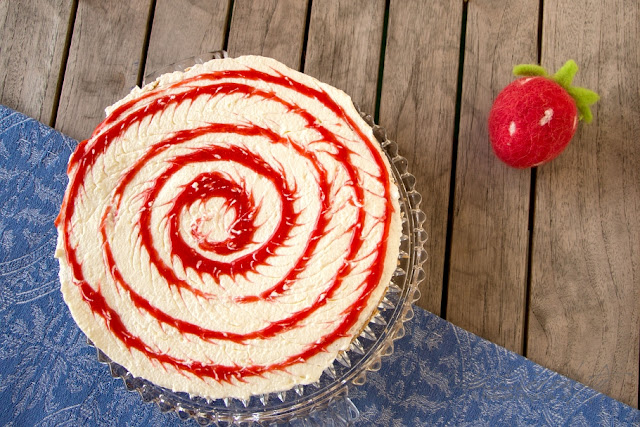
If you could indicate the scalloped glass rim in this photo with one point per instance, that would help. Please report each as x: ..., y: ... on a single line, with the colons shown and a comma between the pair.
x: 329, y: 394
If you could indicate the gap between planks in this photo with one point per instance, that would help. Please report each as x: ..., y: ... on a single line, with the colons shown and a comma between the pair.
x: 383, y: 50
x: 145, y: 43
x: 63, y: 63
x: 454, y: 156
x: 227, y: 28
x: 305, y: 40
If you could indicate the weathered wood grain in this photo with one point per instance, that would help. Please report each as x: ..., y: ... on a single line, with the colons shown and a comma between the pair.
x: 273, y: 28
x: 585, y: 289
x: 487, y: 282
x: 104, y: 57
x: 185, y: 28
x: 417, y: 108
x: 344, y: 47
x: 32, y: 41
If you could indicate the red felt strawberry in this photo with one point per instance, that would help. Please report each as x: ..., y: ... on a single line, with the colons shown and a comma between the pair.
x: 534, y: 118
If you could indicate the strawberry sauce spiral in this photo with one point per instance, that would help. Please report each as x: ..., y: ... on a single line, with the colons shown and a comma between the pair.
x: 228, y: 230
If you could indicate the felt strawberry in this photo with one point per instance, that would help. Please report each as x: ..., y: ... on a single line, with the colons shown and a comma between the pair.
x: 534, y: 118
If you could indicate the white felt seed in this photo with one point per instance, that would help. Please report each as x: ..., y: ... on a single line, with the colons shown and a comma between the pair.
x: 512, y: 128
x: 548, y: 114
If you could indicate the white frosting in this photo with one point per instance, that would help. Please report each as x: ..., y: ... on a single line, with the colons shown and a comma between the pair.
x: 219, y: 309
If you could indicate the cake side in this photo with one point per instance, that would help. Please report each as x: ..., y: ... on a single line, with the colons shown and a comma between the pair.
x: 228, y: 230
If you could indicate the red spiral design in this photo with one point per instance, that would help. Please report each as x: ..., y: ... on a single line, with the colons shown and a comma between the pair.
x: 161, y: 203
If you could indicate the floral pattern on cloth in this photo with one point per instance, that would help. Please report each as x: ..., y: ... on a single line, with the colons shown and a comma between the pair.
x: 439, y: 374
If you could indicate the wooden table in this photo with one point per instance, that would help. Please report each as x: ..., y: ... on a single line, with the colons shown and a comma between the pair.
x: 544, y: 262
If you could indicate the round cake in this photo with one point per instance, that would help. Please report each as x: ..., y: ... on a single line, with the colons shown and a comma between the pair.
x: 228, y: 230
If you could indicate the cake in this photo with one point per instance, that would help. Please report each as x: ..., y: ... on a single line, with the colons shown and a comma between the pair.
x: 228, y: 230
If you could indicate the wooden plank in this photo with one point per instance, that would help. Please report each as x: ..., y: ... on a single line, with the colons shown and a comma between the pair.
x: 32, y: 41
x: 585, y: 292
x: 487, y: 282
x: 344, y: 47
x: 104, y: 57
x: 183, y: 29
x: 417, y: 109
x: 273, y: 28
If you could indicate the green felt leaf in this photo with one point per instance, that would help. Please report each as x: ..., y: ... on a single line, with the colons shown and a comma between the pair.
x: 584, y: 98
x: 584, y: 95
x: 566, y: 73
x: 585, y: 114
x: 529, y: 70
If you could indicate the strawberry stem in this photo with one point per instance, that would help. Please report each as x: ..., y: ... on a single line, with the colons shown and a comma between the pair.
x: 584, y: 98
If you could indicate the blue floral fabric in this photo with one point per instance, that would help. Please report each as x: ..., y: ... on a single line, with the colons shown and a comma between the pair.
x: 438, y: 375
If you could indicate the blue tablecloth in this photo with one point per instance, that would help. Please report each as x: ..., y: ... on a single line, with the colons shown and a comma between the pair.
x: 438, y: 375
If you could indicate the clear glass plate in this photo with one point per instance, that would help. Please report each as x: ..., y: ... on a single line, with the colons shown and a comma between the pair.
x: 325, y: 402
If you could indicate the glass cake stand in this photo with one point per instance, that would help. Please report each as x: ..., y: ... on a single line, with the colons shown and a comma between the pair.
x: 325, y: 402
